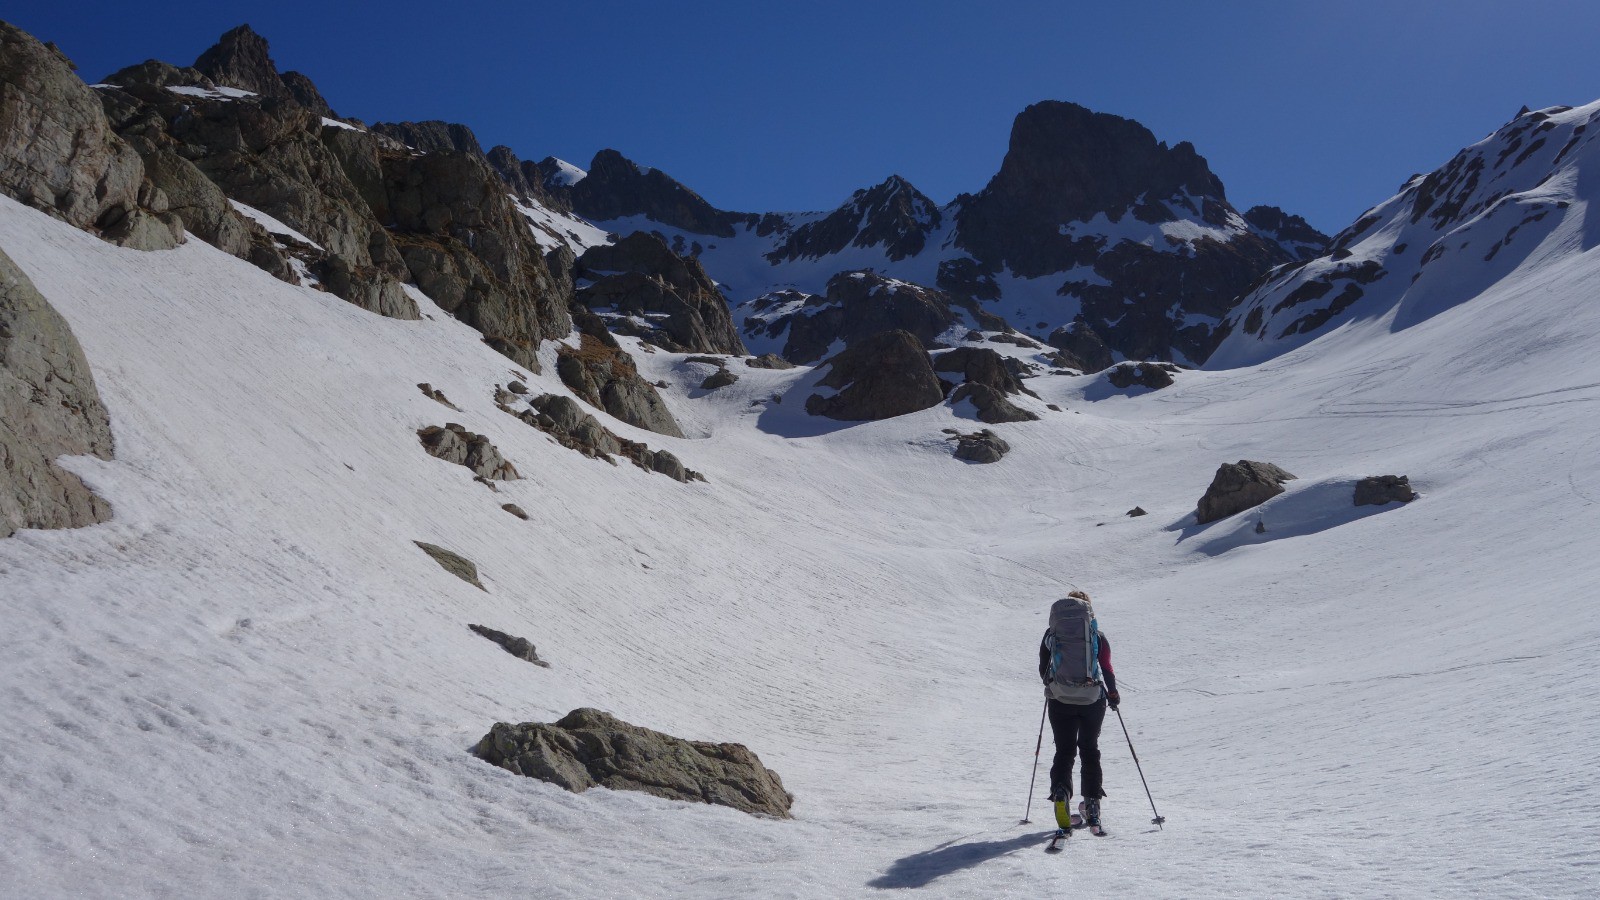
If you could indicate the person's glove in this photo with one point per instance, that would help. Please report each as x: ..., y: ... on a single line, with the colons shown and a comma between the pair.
x: 1113, y: 699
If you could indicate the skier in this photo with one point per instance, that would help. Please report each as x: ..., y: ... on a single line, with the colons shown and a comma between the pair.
x: 1075, y: 665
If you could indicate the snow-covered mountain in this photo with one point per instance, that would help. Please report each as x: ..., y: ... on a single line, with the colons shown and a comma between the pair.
x: 1090, y: 220
x: 244, y: 667
x: 1512, y: 206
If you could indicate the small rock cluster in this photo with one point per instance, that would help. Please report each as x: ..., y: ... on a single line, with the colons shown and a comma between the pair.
x: 721, y: 378
x: 980, y: 446
x: 455, y: 444
x: 1153, y: 375
x: 589, y: 748
x: 1376, y: 490
x: 565, y: 421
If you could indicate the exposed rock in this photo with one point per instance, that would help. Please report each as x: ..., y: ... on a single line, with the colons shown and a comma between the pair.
x: 980, y: 365
x: 1136, y: 512
x: 49, y: 407
x: 454, y: 563
x: 604, y: 375
x: 59, y: 155
x: 306, y: 94
x: 588, y: 748
x: 515, y: 510
x: 563, y: 419
x: 768, y: 361
x: 469, y: 250
x: 1152, y: 375
x: 432, y: 136
x: 1238, y: 487
x: 206, y: 212
x: 517, y: 387
x: 1085, y: 351
x: 858, y: 305
x: 981, y: 447
x: 521, y: 648
x: 616, y: 188
x: 894, y: 215
x: 1376, y: 490
x: 719, y: 379
x: 992, y: 406
x: 455, y: 444
x: 240, y: 59
x: 642, y: 288
x: 1293, y: 233
x: 882, y: 376
x: 435, y: 394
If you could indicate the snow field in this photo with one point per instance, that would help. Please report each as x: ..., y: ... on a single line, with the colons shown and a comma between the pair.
x: 251, y: 683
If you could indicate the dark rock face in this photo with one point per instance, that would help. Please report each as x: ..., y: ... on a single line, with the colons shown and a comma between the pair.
x: 857, y: 305
x: 469, y: 250
x: 455, y: 444
x: 721, y: 378
x: 306, y: 94
x: 49, y: 407
x: 515, y: 510
x: 521, y: 648
x: 563, y: 419
x: 992, y: 406
x: 981, y: 447
x: 454, y: 563
x: 240, y: 59
x: 616, y: 187
x: 882, y: 376
x: 436, y: 395
x: 894, y: 215
x: 1154, y: 376
x: 1240, y: 486
x: 1376, y: 490
x: 1084, y: 349
x: 640, y: 278
x: 59, y: 155
x: 589, y: 748
x: 432, y: 136
x: 1136, y: 512
x: 980, y: 365
x: 1293, y: 233
x: 605, y: 376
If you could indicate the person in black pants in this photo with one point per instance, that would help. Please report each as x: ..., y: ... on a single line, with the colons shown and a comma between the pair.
x: 1076, y: 729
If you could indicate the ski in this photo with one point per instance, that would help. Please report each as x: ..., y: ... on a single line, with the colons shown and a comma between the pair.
x: 1055, y: 845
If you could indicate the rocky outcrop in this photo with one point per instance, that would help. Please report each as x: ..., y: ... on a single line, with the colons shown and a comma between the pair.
x: 882, y: 376
x: 605, y: 376
x: 980, y: 447
x: 59, y: 155
x: 49, y: 407
x: 471, y: 252
x: 1152, y: 375
x: 565, y: 421
x: 1240, y: 486
x: 521, y: 648
x: 640, y: 287
x: 617, y: 187
x: 241, y: 59
x: 1080, y: 347
x: 454, y: 563
x: 432, y: 136
x: 980, y: 365
x: 857, y: 305
x: 768, y: 361
x: 893, y: 215
x: 589, y: 748
x: 1293, y: 233
x: 1376, y: 490
x: 991, y: 405
x: 455, y: 444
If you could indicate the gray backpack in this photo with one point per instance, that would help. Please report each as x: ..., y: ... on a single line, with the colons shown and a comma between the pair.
x: 1074, y: 645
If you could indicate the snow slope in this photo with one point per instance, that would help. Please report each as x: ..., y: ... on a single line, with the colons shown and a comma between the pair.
x: 251, y: 683
x: 1511, y: 205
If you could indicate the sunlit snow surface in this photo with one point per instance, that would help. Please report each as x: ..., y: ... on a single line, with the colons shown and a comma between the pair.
x: 251, y: 683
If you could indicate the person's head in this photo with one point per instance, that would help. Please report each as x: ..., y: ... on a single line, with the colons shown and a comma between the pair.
x: 1080, y: 595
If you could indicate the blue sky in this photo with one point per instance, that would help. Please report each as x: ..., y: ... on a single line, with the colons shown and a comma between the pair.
x: 1321, y: 108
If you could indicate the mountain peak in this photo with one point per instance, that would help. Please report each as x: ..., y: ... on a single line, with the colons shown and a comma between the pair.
x: 241, y: 59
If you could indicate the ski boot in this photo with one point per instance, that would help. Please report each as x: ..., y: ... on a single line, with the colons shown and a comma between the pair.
x: 1058, y: 800
x: 1089, y: 808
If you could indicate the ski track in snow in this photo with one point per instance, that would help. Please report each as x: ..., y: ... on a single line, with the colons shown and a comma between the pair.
x: 250, y: 682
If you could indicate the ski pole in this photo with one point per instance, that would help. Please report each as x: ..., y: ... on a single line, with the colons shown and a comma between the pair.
x: 1036, y: 748
x: 1159, y: 818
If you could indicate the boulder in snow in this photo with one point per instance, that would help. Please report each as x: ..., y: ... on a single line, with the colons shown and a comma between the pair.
x: 1376, y: 490
x: 981, y: 447
x: 589, y: 748
x: 1240, y: 486
x: 888, y: 374
x: 454, y: 563
x: 455, y: 444
x: 521, y: 648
